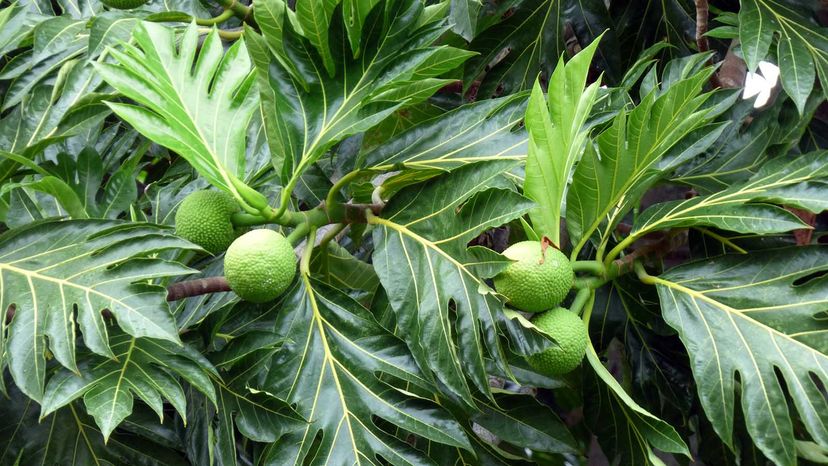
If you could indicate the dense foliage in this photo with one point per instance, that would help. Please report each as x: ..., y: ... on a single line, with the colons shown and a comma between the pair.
x: 401, y: 147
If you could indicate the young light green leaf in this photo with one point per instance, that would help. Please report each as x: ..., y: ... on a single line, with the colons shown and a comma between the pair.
x: 613, y: 175
x: 556, y: 139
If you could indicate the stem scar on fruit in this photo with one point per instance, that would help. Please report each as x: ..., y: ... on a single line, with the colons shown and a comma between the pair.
x: 545, y: 243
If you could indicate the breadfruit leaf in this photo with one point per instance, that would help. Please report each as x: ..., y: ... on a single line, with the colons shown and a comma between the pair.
x: 801, y: 44
x: 141, y: 367
x: 196, y: 104
x: 666, y: 128
x: 748, y: 207
x: 635, y: 433
x: 761, y: 318
x: 445, y: 311
x: 477, y: 132
x: 59, y: 274
x: 336, y: 365
x: 312, y: 102
x: 557, y: 134
x: 70, y: 436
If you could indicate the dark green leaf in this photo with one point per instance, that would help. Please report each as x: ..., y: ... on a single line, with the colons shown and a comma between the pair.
x: 140, y: 367
x: 329, y: 366
x: 798, y: 183
x: 70, y: 437
x: 472, y: 133
x: 49, y: 269
x: 756, y: 316
x: 421, y: 259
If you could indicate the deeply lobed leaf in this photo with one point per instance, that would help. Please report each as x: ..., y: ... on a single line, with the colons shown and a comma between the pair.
x: 141, y: 367
x: 198, y: 105
x: 756, y: 316
x: 59, y: 274
x: 446, y: 313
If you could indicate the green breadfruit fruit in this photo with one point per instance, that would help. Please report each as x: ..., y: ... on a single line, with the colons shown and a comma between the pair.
x: 203, y: 218
x: 260, y: 265
x: 537, y: 281
x: 569, y: 333
x: 123, y: 4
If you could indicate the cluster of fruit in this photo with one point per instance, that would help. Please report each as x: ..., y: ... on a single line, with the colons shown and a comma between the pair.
x: 260, y: 265
x: 538, y: 281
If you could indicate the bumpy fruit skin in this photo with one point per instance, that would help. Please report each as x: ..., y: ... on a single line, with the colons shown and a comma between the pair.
x: 124, y: 4
x: 260, y: 265
x: 569, y: 332
x: 530, y: 285
x: 203, y: 218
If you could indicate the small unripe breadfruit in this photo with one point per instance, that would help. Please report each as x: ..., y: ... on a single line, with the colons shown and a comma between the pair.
x: 260, y: 265
x: 569, y: 333
x: 204, y: 218
x: 123, y: 4
x: 537, y: 280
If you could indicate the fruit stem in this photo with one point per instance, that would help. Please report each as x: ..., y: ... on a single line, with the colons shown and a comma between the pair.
x: 243, y: 219
x: 189, y: 288
x: 298, y: 233
x: 224, y: 16
x: 580, y: 300
x: 594, y: 267
x: 591, y: 283
x: 240, y: 10
x: 589, y: 305
x: 304, y: 263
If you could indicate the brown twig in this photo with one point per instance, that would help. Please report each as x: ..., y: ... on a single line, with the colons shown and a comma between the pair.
x: 175, y: 292
x: 702, y: 11
x: 198, y: 287
x: 355, y: 213
x: 733, y: 69
x: 803, y: 235
x: 703, y: 44
x: 667, y: 242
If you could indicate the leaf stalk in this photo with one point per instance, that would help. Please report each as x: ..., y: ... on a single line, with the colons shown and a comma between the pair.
x: 224, y: 16
x: 593, y: 267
